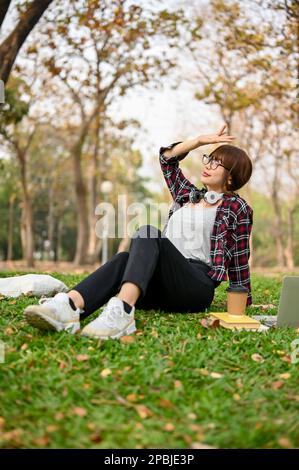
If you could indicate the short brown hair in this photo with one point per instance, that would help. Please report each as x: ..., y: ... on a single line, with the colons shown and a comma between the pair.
x: 237, y: 161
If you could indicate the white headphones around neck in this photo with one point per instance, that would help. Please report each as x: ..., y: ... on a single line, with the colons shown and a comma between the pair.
x: 211, y: 197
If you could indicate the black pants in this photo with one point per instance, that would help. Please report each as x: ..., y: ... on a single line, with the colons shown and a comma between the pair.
x: 168, y: 281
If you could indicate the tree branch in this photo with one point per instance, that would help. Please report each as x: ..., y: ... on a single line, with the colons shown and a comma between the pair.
x: 4, y: 6
x: 12, y: 44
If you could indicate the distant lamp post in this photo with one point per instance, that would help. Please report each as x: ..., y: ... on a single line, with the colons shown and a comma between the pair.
x: 106, y: 188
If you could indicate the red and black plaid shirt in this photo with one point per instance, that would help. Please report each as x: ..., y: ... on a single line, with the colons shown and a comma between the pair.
x: 231, y: 232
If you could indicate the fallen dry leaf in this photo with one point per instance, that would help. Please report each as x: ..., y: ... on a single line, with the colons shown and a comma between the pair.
x: 13, y: 435
x: 293, y: 397
x: 196, y: 427
x: 132, y: 397
x: 139, y: 425
x: 91, y: 426
x: 9, y: 331
x: 170, y: 363
x: 165, y: 403
x: 24, y: 347
x: 79, y: 411
x: 126, y: 339
x: 286, y: 358
x: 188, y: 439
x: 285, y: 376
x: 178, y: 384
x: 285, y: 443
x: 257, y: 357
x: 42, y: 441
x: 216, y: 375
x: 106, y: 372
x: 277, y: 384
x: 82, y: 357
x: 96, y: 437
x: 154, y: 333
x: 59, y: 416
x: 143, y: 411
x: 169, y: 427
x: 239, y: 383
x: 280, y: 353
x: 51, y: 428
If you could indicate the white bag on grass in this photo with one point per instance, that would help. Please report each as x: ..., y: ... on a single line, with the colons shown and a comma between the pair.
x: 31, y: 284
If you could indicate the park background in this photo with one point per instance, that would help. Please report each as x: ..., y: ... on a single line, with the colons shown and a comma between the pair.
x: 98, y: 87
x: 93, y: 89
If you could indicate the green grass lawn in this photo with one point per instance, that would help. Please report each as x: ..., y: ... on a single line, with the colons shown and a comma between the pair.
x: 175, y: 385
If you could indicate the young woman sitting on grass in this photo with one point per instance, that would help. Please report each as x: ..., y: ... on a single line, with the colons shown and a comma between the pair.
x: 178, y: 269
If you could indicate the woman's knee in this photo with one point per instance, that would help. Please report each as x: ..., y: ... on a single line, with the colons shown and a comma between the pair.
x: 121, y: 257
x: 148, y: 231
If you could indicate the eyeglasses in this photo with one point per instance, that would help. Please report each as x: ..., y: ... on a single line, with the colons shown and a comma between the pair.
x: 213, y: 163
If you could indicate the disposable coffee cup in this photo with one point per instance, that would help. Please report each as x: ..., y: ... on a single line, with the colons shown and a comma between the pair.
x: 236, y: 300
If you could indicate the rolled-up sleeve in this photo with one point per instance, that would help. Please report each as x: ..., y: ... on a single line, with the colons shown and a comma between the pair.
x: 238, y: 270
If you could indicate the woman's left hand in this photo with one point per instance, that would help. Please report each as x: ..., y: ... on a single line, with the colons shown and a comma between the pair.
x: 219, y: 137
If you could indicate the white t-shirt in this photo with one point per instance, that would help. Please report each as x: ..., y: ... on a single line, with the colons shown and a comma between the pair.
x: 190, y: 229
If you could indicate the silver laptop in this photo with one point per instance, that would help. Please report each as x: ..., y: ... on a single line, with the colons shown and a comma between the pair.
x: 288, y: 308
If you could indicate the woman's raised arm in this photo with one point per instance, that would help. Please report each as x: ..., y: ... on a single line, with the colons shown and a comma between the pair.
x: 191, y: 144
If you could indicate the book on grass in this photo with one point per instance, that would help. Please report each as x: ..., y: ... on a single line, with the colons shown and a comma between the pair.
x: 235, y: 321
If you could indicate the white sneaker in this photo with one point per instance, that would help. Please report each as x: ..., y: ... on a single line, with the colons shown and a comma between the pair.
x: 113, y: 322
x: 54, y: 313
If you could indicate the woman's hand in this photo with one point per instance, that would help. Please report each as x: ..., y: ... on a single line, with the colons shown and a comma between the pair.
x: 221, y: 136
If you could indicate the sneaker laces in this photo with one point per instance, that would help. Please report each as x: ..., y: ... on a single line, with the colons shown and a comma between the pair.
x: 45, y: 299
x: 109, y: 314
x: 52, y: 300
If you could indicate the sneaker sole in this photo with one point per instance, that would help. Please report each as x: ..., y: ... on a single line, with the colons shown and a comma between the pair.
x: 43, y: 322
x: 127, y: 331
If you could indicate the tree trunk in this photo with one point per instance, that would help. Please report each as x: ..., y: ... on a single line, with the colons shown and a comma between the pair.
x: 29, y: 233
x: 249, y: 200
x: 81, y: 206
x: 23, y: 230
x: 124, y: 243
x: 51, y: 220
x: 10, y: 227
x: 12, y: 44
x: 27, y: 215
x: 289, y: 250
x: 92, y: 252
x: 58, y: 247
x: 278, y: 230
